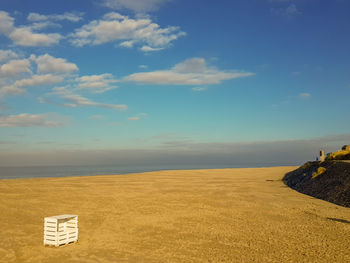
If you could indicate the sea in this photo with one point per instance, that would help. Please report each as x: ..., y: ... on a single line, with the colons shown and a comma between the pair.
x: 86, y: 170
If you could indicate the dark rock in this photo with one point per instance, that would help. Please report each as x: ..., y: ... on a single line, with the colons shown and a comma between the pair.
x: 332, y: 185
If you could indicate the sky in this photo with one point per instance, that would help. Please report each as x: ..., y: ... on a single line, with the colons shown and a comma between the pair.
x: 151, y: 82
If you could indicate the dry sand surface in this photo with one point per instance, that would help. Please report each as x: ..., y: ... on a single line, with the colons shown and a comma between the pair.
x: 226, y: 215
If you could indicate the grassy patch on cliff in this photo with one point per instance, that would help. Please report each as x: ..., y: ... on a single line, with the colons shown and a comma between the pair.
x: 339, y: 155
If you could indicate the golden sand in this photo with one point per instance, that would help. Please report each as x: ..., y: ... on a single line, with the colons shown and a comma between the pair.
x: 226, y: 215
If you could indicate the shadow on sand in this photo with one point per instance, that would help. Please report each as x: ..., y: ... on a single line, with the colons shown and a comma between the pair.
x: 339, y: 220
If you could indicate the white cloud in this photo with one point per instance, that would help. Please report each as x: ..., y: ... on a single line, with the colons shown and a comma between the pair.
x: 28, y: 120
x: 69, y: 16
x: 135, y: 5
x: 192, y: 71
x: 75, y: 100
x: 49, y: 64
x: 7, y: 54
x: 150, y: 49
x: 6, y: 23
x: 13, y: 82
x: 14, y: 67
x: 10, y: 89
x: 128, y: 44
x: 24, y: 36
x: 97, y: 83
x: 143, y: 66
x: 129, y: 32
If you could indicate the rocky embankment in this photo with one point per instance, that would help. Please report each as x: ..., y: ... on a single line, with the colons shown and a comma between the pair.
x: 328, y: 180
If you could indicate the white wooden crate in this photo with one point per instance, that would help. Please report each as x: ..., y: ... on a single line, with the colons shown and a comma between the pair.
x: 60, y: 230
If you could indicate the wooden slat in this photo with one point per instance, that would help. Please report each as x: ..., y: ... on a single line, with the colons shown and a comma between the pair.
x: 50, y: 241
x: 50, y: 225
x: 49, y: 236
x: 50, y: 230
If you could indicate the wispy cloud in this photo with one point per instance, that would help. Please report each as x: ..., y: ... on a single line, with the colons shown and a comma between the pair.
x: 35, y: 80
x: 198, y: 89
x: 280, y: 1
x: 73, y: 100
x: 292, y: 99
x: 69, y: 16
x: 3, y: 106
x: 186, y: 151
x: 7, y: 142
x: 43, y: 25
x: 137, y: 117
x: 128, y: 32
x: 97, y: 83
x: 192, y: 71
x: 135, y: 5
x: 28, y: 120
x: 304, y: 95
x: 96, y: 117
x: 289, y: 11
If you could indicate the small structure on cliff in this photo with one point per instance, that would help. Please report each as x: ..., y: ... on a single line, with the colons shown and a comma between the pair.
x: 322, y: 156
x: 343, y: 154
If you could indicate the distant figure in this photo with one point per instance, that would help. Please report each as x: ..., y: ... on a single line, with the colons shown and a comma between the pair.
x: 322, y: 156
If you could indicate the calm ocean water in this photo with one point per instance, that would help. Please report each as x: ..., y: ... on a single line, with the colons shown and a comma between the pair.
x: 65, y: 171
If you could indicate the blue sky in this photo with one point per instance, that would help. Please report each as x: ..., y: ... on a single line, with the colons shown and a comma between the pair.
x: 196, y: 81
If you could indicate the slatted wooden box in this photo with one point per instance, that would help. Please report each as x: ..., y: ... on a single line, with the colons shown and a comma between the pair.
x: 60, y: 230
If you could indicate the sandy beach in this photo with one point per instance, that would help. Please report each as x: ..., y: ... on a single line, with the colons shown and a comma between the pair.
x: 224, y: 215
